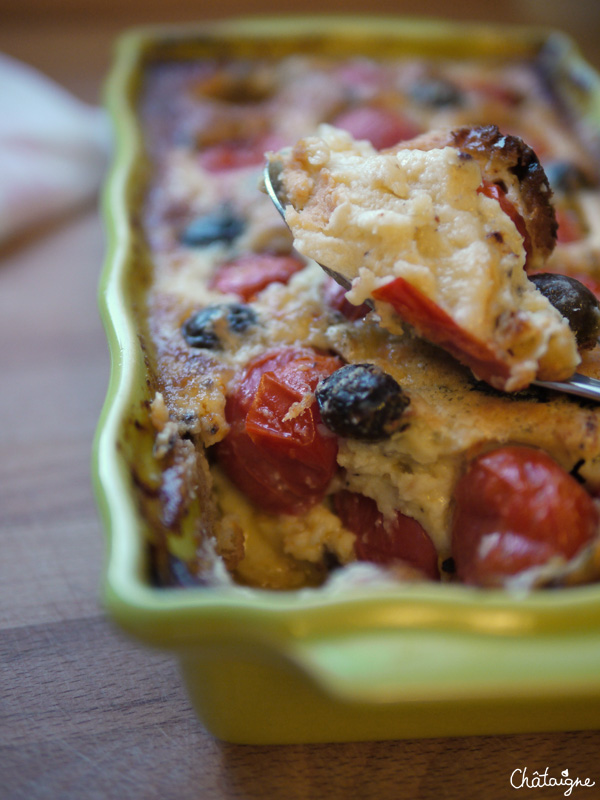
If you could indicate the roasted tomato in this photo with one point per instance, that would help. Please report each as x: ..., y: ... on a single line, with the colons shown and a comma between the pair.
x: 494, y: 92
x: 516, y: 508
x: 384, y: 541
x: 249, y: 274
x: 435, y: 325
x: 380, y: 126
x: 335, y: 296
x: 277, y: 451
x: 238, y: 153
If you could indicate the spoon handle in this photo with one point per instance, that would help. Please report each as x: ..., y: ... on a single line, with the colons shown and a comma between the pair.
x: 577, y: 384
x: 271, y: 182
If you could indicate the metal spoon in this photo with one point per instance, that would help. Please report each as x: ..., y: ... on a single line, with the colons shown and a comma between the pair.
x: 272, y: 183
x: 577, y: 384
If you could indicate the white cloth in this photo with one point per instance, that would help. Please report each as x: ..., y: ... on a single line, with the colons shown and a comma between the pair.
x: 54, y: 148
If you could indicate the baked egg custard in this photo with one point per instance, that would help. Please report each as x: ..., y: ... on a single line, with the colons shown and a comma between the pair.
x: 308, y: 435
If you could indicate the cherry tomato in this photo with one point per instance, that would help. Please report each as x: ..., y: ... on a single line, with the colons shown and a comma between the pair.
x: 283, y: 461
x: 434, y: 324
x: 515, y: 509
x: 496, y: 193
x: 237, y: 154
x: 381, y: 126
x: 249, y: 274
x: 384, y: 541
x: 335, y: 296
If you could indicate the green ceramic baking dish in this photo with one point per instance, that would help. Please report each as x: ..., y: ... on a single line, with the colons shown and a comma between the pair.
x: 316, y: 664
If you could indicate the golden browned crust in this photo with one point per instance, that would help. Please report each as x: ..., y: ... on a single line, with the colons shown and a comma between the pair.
x: 504, y: 153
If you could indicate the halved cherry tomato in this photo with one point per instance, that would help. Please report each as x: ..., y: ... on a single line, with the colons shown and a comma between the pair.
x: 335, y: 296
x: 516, y: 508
x: 434, y: 324
x: 380, y: 126
x: 384, y: 541
x: 281, y: 457
x: 249, y: 274
x: 497, y: 193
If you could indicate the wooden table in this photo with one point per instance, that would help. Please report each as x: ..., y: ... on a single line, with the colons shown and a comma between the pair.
x: 86, y: 713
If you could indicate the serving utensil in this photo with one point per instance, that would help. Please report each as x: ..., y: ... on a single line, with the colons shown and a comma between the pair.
x: 577, y: 384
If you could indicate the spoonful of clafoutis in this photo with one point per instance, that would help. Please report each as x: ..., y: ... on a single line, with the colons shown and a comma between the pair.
x: 449, y: 233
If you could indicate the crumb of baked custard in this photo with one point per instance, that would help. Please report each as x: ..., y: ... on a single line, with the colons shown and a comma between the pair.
x: 266, y: 560
x: 318, y: 532
x: 159, y: 413
x: 419, y: 219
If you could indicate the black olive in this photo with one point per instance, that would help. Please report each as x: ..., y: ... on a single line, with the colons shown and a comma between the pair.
x: 436, y: 93
x: 361, y: 401
x: 575, y: 302
x: 448, y: 566
x: 202, y: 328
x: 221, y: 226
x: 566, y: 177
x: 240, y: 317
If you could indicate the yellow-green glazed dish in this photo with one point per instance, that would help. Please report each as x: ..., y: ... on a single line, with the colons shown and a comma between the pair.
x: 319, y: 665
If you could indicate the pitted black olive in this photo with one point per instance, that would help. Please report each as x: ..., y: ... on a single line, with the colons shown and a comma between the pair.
x: 206, y: 327
x: 221, y: 226
x: 575, y: 302
x: 361, y: 401
x: 565, y: 177
x: 436, y: 93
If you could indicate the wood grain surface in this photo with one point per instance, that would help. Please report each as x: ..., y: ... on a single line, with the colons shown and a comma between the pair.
x: 84, y: 711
